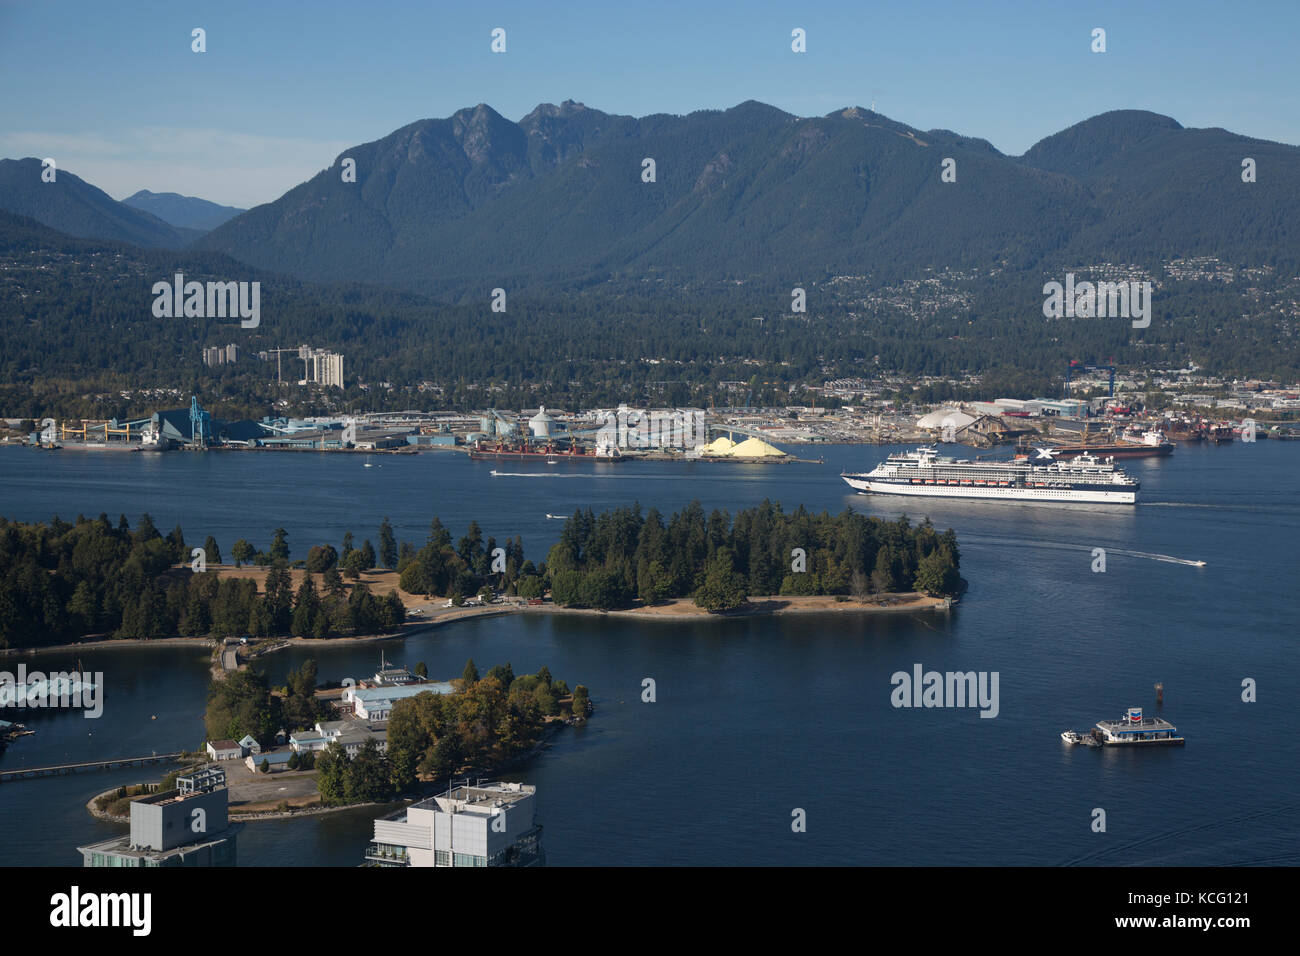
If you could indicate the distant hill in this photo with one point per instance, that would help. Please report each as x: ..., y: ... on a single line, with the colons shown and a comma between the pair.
x: 73, y: 206
x: 450, y: 206
x: 1160, y: 191
x: 187, y: 212
x: 1086, y: 147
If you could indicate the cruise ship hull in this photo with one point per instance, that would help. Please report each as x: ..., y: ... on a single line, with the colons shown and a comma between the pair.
x: 864, y: 485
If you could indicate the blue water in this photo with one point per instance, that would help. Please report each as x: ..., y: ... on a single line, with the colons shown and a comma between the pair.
x: 755, y: 718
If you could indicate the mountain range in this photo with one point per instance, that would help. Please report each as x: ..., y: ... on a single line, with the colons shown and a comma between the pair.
x: 454, y: 207
x: 73, y: 206
x: 449, y: 205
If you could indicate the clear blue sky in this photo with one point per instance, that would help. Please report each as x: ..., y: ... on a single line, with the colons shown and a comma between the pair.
x: 113, y: 93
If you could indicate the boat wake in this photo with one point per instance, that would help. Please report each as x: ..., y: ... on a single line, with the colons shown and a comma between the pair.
x: 538, y: 474
x: 1064, y: 546
x: 1277, y: 508
x: 1168, y: 558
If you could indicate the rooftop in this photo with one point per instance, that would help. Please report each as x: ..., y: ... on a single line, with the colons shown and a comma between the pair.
x: 1144, y: 726
x: 169, y: 796
x: 397, y: 692
x: 121, y: 846
x: 483, y: 798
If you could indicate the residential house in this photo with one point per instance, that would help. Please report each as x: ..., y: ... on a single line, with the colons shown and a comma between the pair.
x: 224, y: 750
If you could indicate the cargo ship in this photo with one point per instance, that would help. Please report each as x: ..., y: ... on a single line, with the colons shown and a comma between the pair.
x: 1148, y: 444
x: 548, y: 452
x: 924, y: 473
x: 152, y: 439
x: 115, y: 446
x: 1184, y: 430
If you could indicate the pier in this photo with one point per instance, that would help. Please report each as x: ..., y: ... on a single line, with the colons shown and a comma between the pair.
x: 116, y: 763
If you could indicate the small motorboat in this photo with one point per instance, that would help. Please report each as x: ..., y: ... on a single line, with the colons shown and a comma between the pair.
x: 1071, y: 736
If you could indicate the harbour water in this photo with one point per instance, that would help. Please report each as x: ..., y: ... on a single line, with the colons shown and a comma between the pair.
x: 756, y: 718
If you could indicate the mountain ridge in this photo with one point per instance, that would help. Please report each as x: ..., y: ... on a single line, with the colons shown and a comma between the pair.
x: 449, y: 206
x: 444, y: 206
x: 71, y: 205
x: 182, y: 212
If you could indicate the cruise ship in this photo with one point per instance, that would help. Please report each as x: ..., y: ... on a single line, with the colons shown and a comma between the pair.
x: 924, y: 472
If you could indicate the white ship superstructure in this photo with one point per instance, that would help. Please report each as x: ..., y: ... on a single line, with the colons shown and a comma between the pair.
x: 925, y: 473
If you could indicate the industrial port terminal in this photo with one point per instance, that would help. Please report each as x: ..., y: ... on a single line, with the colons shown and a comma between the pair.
x: 1108, y: 426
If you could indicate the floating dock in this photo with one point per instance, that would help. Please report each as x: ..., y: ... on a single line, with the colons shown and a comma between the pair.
x: 1134, y: 730
x: 1131, y: 730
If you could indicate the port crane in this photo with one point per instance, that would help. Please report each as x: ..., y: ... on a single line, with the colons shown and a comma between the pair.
x: 200, y: 425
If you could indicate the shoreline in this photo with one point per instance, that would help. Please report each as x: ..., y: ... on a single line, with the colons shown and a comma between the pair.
x: 681, y: 609
x: 675, y: 609
x: 232, y: 816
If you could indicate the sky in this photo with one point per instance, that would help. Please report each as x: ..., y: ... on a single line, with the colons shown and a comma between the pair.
x: 114, y: 93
